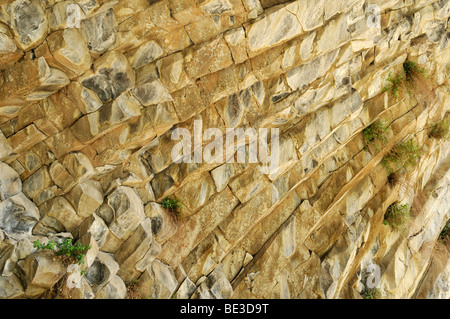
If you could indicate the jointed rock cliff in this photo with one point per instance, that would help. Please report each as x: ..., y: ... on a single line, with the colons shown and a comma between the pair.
x: 92, y: 90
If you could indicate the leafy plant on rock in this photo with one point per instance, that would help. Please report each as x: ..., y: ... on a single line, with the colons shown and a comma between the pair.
x: 72, y: 253
x: 394, y: 84
x: 402, y: 156
x: 173, y: 205
x: 371, y: 293
x: 376, y: 133
x: 397, y: 216
x: 409, y: 79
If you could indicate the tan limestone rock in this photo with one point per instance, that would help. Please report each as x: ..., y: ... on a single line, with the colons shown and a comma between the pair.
x: 10, y: 183
x: 43, y: 269
x: 60, y: 209
x: 37, y: 182
x: 162, y: 224
x: 86, y: 197
x: 68, y: 48
x: 128, y: 212
x: 158, y: 281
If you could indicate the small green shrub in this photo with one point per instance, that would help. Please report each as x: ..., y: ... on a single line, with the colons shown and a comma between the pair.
x: 402, y: 156
x: 173, y: 205
x: 397, y: 216
x: 394, y: 84
x: 409, y: 79
x: 376, y: 133
x: 440, y: 130
x: 371, y: 293
x: 74, y: 253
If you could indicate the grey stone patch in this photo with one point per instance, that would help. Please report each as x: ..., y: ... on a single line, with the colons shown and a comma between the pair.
x: 18, y: 215
x: 99, y: 31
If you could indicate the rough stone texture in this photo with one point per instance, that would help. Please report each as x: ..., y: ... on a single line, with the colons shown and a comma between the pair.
x: 158, y: 281
x: 18, y: 215
x: 10, y: 183
x: 42, y: 270
x: 28, y: 21
x: 87, y: 114
x: 86, y: 197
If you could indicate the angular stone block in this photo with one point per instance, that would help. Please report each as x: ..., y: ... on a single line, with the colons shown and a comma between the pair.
x: 274, y: 28
x: 43, y: 270
x: 86, y: 197
x: 69, y: 49
x: 128, y: 211
x: 37, y: 182
x: 25, y: 138
x: 162, y: 224
x: 99, y: 31
x: 102, y: 271
x: 115, y: 289
x: 30, y: 22
x: 215, y: 286
x: 9, y: 53
x: 18, y: 215
x: 158, y: 281
x: 151, y: 93
x: 134, y: 249
x: 208, y: 58
x: 95, y: 226
x: 10, y: 182
x: 61, y: 210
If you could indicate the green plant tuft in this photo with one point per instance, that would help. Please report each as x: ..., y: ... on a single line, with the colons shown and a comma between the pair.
x: 371, y: 293
x: 402, y: 156
x: 408, y: 79
x: 397, y: 216
x: 75, y: 253
x: 394, y: 84
x: 376, y: 133
x: 173, y: 205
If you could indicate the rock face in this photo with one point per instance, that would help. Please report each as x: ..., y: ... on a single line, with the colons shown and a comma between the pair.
x: 28, y: 21
x: 98, y: 98
x: 18, y: 216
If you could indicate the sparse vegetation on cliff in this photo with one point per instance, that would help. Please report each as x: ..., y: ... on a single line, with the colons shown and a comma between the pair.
x: 402, y: 156
x: 377, y: 134
x: 173, y: 205
x: 394, y: 84
x: 133, y: 289
x: 371, y: 293
x: 397, y: 216
x: 409, y: 79
x: 72, y: 253
x: 412, y: 70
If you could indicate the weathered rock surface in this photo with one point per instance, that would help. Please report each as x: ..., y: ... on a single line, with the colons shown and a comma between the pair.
x: 42, y: 271
x: 28, y: 21
x: 95, y: 95
x: 10, y: 183
x: 18, y: 215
